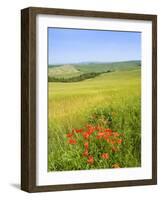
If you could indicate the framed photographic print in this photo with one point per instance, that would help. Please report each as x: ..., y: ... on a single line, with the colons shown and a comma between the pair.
x: 88, y: 99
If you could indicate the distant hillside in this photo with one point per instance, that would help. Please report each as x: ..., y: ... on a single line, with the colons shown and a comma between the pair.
x: 70, y: 71
x: 115, y: 66
x: 66, y: 71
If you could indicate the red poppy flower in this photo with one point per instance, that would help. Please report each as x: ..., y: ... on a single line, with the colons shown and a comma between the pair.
x: 90, y: 160
x: 86, y: 135
x: 72, y: 141
x: 106, y: 136
x: 101, y: 134
x: 108, y: 130
x: 105, y: 156
x: 90, y: 128
x: 85, y: 153
x: 119, y: 141
x: 86, y: 145
x: 78, y: 130
x: 115, y: 134
x: 69, y: 135
x: 98, y: 128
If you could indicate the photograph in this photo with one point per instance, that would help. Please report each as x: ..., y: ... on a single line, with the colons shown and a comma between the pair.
x: 88, y: 98
x: 94, y: 99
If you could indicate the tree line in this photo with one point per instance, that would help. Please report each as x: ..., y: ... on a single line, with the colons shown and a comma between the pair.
x: 81, y: 77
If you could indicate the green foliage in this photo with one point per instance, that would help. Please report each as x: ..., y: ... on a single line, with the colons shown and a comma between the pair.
x: 76, y: 78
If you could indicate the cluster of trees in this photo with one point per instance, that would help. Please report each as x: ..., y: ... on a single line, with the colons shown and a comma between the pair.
x: 77, y: 78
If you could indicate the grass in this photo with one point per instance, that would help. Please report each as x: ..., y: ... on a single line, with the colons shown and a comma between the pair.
x: 111, y: 100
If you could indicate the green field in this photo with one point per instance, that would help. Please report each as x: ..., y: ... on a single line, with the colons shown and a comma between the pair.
x: 110, y: 101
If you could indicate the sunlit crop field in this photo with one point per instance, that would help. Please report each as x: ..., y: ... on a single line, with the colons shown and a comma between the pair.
x: 95, y: 123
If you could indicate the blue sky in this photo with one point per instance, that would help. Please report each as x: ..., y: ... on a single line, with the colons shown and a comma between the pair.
x: 74, y: 45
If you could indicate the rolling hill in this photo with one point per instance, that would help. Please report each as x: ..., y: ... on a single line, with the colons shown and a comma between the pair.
x: 66, y: 71
x: 81, y: 71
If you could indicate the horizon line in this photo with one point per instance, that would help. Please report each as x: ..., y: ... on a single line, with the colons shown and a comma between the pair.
x: 81, y: 62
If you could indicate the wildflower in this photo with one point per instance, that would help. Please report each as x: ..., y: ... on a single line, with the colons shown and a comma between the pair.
x: 115, y: 165
x: 85, y: 153
x: 119, y: 141
x: 98, y: 128
x: 105, y: 156
x: 86, y: 145
x: 90, y: 128
x: 108, y: 130
x: 100, y: 135
x: 90, y: 160
x: 109, y: 134
x: 115, y: 134
x: 86, y: 135
x: 106, y: 136
x: 72, y: 141
x: 78, y: 130
x: 69, y: 135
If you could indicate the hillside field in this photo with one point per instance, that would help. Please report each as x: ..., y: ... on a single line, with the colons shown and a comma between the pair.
x: 75, y: 70
x: 106, y: 105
